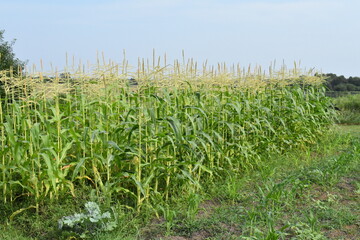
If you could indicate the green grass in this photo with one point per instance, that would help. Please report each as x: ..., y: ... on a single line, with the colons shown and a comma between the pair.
x: 353, y: 130
x: 349, y: 106
x: 11, y: 233
x: 348, y: 102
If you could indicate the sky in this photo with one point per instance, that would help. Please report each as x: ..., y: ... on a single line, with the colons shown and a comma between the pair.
x: 322, y: 34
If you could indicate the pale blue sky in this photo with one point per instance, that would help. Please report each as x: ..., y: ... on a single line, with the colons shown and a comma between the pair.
x: 324, y: 34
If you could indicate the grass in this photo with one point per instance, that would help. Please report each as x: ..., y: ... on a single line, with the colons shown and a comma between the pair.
x: 350, y: 129
x: 348, y: 102
x: 349, y: 106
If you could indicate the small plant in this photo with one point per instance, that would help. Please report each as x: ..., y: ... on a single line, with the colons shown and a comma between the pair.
x: 193, y: 205
x: 169, y: 216
x: 357, y: 191
x: 89, y: 223
x: 305, y: 232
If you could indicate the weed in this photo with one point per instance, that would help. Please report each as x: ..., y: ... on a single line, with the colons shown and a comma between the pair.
x: 86, y: 224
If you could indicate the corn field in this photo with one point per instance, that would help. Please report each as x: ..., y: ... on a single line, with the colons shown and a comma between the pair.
x: 175, y: 128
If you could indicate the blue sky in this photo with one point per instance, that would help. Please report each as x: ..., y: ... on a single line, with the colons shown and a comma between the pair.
x: 322, y: 34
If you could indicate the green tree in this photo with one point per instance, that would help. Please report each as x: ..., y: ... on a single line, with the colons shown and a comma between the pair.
x: 7, y: 56
x: 355, y: 81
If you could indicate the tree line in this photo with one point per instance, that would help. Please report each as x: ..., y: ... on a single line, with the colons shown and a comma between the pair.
x: 341, y: 83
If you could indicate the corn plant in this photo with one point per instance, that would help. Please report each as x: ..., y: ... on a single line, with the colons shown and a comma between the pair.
x: 173, y: 130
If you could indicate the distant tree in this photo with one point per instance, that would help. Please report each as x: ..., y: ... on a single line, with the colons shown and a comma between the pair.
x: 338, y: 80
x: 7, y: 56
x: 65, y: 75
x: 341, y: 83
x: 346, y: 87
x: 340, y: 87
x: 8, y: 60
x: 354, y: 80
x: 351, y: 87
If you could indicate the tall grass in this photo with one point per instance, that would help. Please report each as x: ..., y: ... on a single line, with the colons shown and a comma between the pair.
x: 348, y: 102
x: 349, y: 106
x: 180, y: 126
